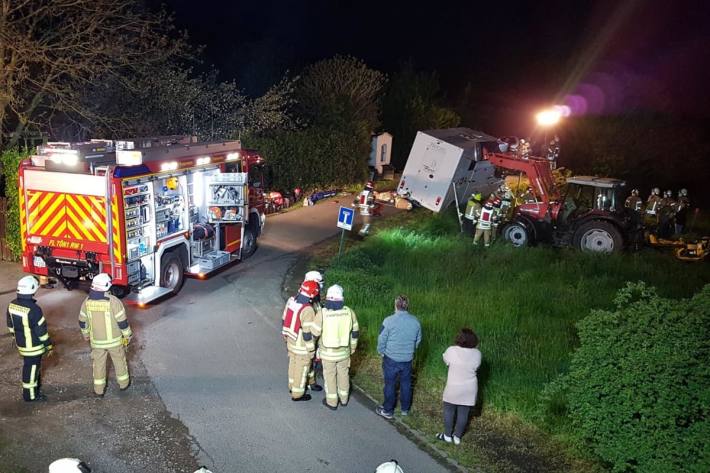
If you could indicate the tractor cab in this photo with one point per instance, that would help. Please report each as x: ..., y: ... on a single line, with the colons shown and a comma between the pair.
x: 592, y: 195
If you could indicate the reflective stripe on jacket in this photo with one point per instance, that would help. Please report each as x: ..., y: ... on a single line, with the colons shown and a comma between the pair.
x: 340, y: 334
x: 484, y: 223
x: 104, y: 320
x: 26, y: 322
x: 311, y: 322
x: 473, y: 208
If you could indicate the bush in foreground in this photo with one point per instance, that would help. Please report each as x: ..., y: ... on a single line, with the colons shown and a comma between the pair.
x: 638, y: 388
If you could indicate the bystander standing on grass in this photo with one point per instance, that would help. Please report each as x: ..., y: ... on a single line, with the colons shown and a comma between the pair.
x: 463, y: 360
x: 399, y: 337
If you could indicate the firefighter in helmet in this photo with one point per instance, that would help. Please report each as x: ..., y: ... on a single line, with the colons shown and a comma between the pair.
x: 633, y: 201
x: 484, y: 225
x: 316, y: 365
x: 473, y: 210
x: 337, y: 343
x: 506, y: 200
x: 26, y: 323
x: 653, y: 204
x: 366, y: 203
x: 103, y: 322
x: 666, y: 217
x: 301, y: 326
x: 681, y: 211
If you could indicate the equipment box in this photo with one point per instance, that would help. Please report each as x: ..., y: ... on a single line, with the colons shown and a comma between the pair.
x: 213, y: 260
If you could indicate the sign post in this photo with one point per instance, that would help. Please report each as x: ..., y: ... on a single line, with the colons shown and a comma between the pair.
x: 346, y: 216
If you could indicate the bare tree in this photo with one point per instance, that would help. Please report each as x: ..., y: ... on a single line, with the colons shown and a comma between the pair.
x: 50, y: 50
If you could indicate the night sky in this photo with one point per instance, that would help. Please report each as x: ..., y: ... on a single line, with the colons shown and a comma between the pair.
x: 598, y: 57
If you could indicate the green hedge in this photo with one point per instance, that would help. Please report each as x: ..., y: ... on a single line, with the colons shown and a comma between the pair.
x: 638, y: 388
x: 314, y: 157
x: 10, y: 161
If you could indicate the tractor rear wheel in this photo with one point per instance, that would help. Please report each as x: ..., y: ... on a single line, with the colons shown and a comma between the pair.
x: 517, y: 234
x: 598, y: 236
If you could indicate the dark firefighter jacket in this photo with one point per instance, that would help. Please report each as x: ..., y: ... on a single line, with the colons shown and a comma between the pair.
x: 26, y: 322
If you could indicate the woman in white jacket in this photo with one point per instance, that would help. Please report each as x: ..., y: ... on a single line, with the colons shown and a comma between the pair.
x: 463, y: 360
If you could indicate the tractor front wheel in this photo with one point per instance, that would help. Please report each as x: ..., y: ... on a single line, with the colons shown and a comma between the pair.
x: 517, y: 234
x: 598, y: 237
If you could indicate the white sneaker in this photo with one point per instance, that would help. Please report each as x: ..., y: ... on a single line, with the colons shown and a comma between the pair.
x: 443, y: 437
x: 457, y: 440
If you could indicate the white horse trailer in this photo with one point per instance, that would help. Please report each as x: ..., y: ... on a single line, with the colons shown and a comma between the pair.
x: 443, y: 160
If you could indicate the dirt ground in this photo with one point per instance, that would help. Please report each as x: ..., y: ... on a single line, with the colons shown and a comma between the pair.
x: 123, y: 432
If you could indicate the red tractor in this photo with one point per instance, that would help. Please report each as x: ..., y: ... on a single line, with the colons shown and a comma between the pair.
x: 588, y: 214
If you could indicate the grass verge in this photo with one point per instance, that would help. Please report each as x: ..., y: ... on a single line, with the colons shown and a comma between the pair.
x: 523, y: 303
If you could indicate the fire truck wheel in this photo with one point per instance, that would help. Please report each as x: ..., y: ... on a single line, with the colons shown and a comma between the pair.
x: 517, y: 234
x: 598, y: 236
x: 119, y: 291
x: 171, y: 272
x: 249, y: 244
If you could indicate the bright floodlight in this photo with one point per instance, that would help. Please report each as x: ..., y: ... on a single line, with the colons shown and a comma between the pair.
x: 549, y: 117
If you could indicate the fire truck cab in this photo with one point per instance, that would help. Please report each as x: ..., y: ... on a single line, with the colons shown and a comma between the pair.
x: 146, y: 211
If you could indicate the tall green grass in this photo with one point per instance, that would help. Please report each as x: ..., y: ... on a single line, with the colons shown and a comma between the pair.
x: 523, y: 303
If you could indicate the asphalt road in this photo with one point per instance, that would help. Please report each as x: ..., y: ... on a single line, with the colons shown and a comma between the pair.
x: 216, y: 358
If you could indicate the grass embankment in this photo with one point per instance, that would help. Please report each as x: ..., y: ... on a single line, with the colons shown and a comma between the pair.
x: 523, y: 303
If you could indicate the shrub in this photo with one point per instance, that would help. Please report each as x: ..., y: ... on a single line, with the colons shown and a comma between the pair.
x: 314, y: 157
x: 638, y: 387
x: 10, y: 162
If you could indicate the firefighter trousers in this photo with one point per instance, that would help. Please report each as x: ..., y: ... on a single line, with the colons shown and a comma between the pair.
x: 486, y: 236
x: 120, y: 366
x: 31, y: 377
x: 336, y: 376
x: 298, y: 368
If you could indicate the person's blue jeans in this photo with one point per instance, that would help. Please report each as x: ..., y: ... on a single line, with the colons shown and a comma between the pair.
x: 394, y: 371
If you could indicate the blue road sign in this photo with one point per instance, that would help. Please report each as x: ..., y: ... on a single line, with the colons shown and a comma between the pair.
x: 345, y: 218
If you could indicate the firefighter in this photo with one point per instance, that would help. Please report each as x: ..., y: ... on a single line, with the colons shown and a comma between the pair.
x: 652, y: 208
x: 497, y: 217
x: 633, y: 201
x: 366, y: 203
x: 312, y: 381
x: 485, y: 222
x: 681, y: 211
x: 666, y: 217
x: 301, y: 325
x: 473, y: 210
x: 506, y: 200
x: 338, y: 342
x: 103, y: 322
x: 26, y: 323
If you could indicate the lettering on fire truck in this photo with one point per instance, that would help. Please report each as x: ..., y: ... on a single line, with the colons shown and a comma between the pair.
x: 67, y: 245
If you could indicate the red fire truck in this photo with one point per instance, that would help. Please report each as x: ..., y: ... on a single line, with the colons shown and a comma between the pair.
x: 146, y: 211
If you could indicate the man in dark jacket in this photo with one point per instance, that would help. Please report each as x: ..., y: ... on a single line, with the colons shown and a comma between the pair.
x: 26, y: 322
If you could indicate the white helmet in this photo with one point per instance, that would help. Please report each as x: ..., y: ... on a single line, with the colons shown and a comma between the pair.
x: 389, y: 467
x: 335, y: 293
x: 203, y: 469
x: 668, y: 193
x: 101, y: 282
x: 28, y: 285
x: 314, y: 276
x: 69, y: 465
x: 683, y: 192
x: 656, y: 191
